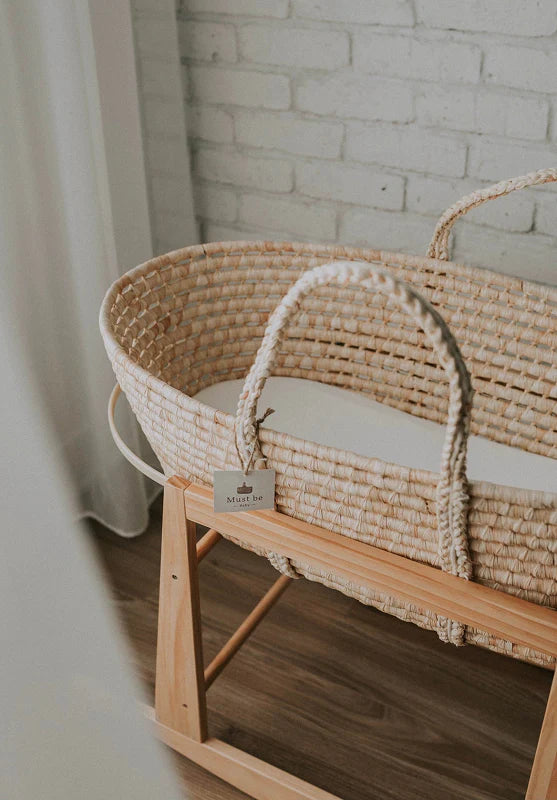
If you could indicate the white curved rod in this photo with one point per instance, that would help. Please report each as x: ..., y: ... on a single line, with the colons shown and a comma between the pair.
x: 138, y: 463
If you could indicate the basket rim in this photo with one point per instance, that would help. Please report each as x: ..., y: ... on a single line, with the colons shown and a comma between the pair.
x: 535, y: 289
x: 116, y: 353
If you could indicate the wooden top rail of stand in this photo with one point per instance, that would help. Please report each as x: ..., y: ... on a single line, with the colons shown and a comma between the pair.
x: 428, y: 588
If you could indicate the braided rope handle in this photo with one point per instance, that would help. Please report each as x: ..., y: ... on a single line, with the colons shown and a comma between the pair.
x: 439, y: 247
x: 452, y: 492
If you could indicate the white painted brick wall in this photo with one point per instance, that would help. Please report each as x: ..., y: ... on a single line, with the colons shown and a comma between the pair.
x: 350, y: 184
x: 359, y: 121
x: 224, y: 86
x: 529, y: 68
x: 404, y: 56
x: 531, y: 18
x: 367, y: 97
x: 304, y: 48
x: 545, y: 215
x: 211, y: 124
x: 356, y: 12
x: 256, y: 8
x: 164, y: 126
x: 411, y: 233
x: 304, y: 137
x: 227, y: 166
x: 208, y: 41
x: 302, y: 218
x: 217, y: 202
x: 406, y: 147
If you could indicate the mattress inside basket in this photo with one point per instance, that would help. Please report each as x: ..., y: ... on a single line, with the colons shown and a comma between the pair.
x: 352, y: 421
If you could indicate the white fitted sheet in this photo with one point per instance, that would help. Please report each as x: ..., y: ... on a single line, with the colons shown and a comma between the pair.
x: 353, y: 421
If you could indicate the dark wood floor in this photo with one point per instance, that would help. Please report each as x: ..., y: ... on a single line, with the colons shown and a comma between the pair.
x: 345, y: 697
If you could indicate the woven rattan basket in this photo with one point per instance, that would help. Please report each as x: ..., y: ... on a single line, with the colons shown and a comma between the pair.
x: 376, y: 323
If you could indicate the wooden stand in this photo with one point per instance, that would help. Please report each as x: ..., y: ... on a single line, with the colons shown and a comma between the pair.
x: 180, y: 714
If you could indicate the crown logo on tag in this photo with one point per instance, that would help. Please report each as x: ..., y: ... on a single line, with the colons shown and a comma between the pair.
x: 232, y: 492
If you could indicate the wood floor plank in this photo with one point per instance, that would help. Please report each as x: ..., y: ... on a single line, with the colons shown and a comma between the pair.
x: 359, y: 703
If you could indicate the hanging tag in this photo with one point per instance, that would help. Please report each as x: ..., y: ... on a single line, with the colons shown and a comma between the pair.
x: 234, y: 491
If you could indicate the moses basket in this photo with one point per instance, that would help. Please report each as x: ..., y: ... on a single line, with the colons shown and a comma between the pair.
x: 470, y: 349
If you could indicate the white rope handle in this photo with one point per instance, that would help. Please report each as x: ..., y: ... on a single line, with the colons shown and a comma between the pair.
x: 452, y: 493
x: 439, y: 247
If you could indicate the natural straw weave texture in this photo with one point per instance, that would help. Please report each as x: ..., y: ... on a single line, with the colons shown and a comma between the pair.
x: 197, y: 316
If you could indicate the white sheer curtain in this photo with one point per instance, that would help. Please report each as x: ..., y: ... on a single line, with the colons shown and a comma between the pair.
x: 70, y: 727
x: 73, y: 215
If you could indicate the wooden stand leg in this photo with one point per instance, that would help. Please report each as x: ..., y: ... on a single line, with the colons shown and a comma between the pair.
x: 180, y: 700
x: 543, y: 778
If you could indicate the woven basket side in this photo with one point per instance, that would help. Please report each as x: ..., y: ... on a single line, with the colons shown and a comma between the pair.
x: 505, y: 329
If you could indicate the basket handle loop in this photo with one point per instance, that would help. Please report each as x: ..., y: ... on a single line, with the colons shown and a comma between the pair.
x: 135, y: 460
x: 439, y: 247
x: 452, y: 493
